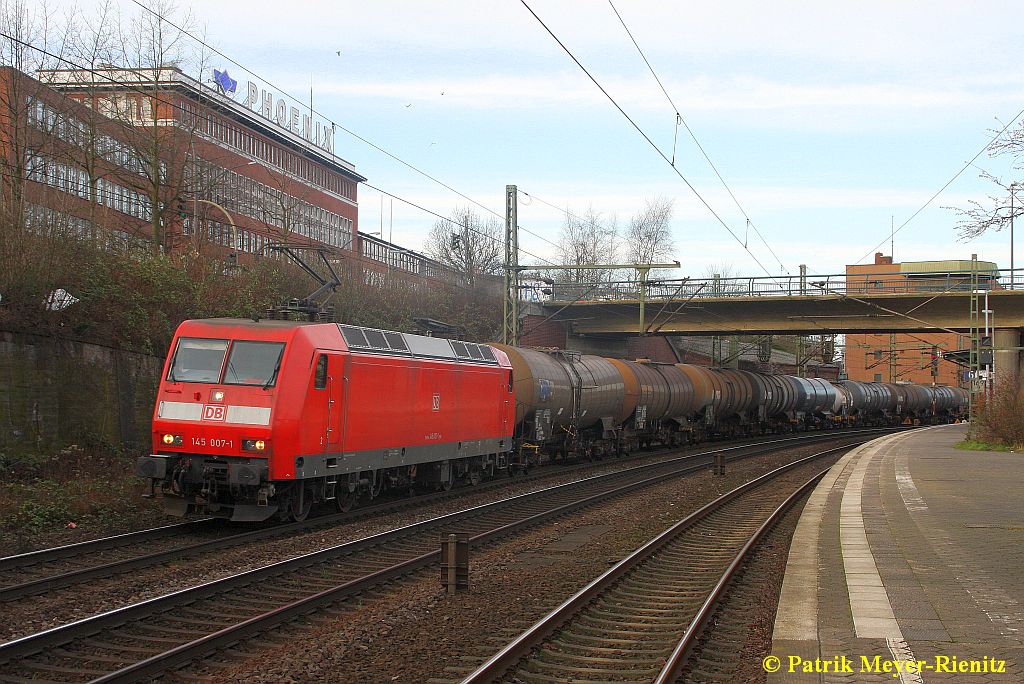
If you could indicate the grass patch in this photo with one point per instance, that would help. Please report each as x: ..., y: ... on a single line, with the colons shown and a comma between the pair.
x: 975, y: 445
x: 73, y: 495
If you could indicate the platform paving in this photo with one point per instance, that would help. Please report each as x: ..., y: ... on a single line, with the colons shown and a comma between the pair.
x: 908, y: 550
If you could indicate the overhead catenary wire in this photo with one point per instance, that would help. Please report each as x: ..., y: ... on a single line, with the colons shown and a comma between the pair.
x: 130, y: 87
x: 555, y: 207
x: 451, y: 221
x: 931, y: 199
x: 647, y: 138
x: 680, y: 120
x: 333, y: 123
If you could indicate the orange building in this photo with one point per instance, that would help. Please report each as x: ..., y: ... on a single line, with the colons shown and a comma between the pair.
x: 909, y: 357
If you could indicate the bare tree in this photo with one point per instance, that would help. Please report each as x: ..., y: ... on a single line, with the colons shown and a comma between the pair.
x: 724, y: 280
x: 277, y: 209
x: 93, y: 45
x: 588, y: 239
x: 34, y: 244
x: 151, y: 48
x: 1003, y: 207
x: 648, y: 236
x: 467, y: 243
x: 32, y: 41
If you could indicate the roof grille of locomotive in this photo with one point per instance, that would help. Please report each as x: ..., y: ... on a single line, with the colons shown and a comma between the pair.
x: 376, y: 340
x: 389, y: 342
x: 396, y: 341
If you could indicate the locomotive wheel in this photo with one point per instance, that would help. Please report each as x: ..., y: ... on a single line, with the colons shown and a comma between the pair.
x: 475, y: 477
x: 300, y: 515
x: 302, y: 504
x: 345, y: 502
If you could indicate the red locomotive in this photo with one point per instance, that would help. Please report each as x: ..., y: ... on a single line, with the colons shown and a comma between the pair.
x: 254, y: 419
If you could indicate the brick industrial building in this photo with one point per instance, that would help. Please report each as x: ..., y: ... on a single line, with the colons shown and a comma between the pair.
x: 129, y: 157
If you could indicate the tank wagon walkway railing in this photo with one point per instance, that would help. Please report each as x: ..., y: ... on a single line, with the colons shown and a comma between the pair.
x: 789, y: 286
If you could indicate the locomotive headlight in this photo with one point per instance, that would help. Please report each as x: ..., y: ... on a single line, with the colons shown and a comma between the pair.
x: 172, y: 440
x: 217, y: 396
x: 254, y: 445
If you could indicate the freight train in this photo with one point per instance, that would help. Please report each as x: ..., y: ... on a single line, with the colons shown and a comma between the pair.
x: 256, y: 419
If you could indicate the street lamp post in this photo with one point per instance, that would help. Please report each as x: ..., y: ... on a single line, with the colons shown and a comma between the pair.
x: 234, y: 229
x: 1013, y: 189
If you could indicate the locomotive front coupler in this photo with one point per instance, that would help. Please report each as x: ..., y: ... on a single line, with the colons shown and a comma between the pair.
x: 209, y: 478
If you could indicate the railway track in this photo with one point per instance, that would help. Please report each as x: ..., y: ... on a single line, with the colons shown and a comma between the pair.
x: 38, y: 571
x: 47, y: 570
x: 725, y: 646
x: 638, y: 622
x: 41, y: 571
x: 145, y: 639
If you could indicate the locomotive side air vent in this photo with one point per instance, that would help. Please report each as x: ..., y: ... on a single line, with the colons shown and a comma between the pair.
x: 460, y: 349
x: 474, y: 351
x: 488, y: 353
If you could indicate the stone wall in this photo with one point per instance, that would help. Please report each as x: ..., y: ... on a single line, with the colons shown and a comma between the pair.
x: 57, y: 392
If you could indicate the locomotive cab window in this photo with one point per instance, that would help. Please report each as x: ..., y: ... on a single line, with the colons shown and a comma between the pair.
x: 253, y: 363
x: 197, y: 360
x: 320, y: 377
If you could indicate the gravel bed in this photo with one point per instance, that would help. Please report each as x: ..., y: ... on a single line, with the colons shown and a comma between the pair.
x: 63, y: 606
x: 771, y: 564
x: 413, y: 632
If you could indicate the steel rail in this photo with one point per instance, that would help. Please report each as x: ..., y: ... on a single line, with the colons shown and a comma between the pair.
x: 39, y: 585
x: 181, y: 655
x: 23, y: 560
x: 58, y: 636
x: 503, y: 661
x: 676, y: 661
x: 61, y: 580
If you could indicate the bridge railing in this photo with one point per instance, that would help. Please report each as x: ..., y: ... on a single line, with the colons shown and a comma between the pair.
x: 788, y: 286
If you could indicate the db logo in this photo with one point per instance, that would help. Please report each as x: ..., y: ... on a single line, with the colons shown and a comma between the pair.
x: 436, y: 404
x: 212, y: 412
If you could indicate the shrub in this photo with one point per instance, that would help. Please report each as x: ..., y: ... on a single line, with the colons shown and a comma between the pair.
x: 1000, y: 419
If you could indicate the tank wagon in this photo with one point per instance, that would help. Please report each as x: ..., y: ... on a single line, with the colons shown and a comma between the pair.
x: 255, y: 419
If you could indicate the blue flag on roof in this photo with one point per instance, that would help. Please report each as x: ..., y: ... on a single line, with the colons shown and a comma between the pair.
x: 226, y: 83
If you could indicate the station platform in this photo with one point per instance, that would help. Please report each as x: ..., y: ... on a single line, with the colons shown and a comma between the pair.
x: 907, y: 565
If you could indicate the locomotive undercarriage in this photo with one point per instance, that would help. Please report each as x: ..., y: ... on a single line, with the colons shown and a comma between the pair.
x: 344, y: 492
x: 238, y: 489
x: 235, y: 488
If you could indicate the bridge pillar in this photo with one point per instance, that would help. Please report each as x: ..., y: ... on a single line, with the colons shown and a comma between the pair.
x: 1009, y: 360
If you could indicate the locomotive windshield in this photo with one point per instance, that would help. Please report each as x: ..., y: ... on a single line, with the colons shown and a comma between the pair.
x: 253, y: 363
x: 198, y: 360
x: 249, y: 363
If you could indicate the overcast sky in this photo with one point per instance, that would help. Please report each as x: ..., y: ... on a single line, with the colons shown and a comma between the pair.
x: 829, y: 121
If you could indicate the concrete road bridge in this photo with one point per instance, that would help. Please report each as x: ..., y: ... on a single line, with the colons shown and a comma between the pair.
x: 811, y: 305
x: 603, y: 316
